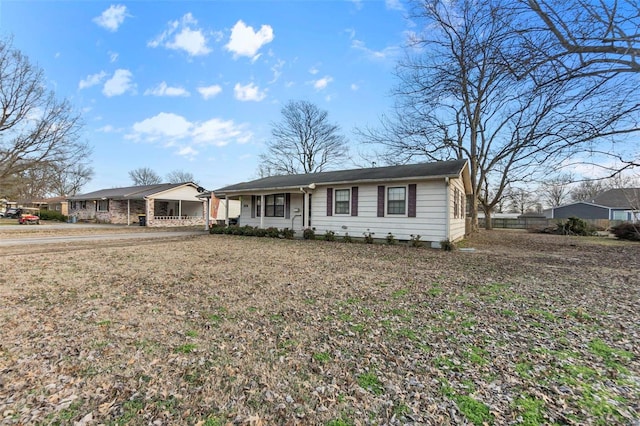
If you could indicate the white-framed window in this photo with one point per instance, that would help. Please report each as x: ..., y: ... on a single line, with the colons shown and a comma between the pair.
x: 342, y: 200
x: 274, y: 205
x: 102, y: 205
x: 397, y: 200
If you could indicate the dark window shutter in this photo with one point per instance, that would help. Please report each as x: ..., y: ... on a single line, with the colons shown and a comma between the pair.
x: 354, y: 201
x: 253, y: 206
x: 329, y: 201
x: 411, y: 210
x: 381, y: 201
x: 287, y: 205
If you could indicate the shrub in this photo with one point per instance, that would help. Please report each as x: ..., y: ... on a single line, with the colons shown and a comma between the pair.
x: 368, y: 237
x: 287, y: 233
x: 272, y: 232
x: 447, y: 245
x: 329, y: 236
x: 215, y: 229
x: 52, y: 215
x: 309, y: 234
x: 575, y: 226
x: 627, y: 231
x: 391, y: 240
x: 415, y: 241
x: 261, y: 232
x: 346, y: 238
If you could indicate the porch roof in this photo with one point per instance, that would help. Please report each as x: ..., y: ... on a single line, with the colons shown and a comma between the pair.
x: 129, y: 192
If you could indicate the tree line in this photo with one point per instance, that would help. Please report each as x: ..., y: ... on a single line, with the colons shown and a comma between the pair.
x: 523, y: 89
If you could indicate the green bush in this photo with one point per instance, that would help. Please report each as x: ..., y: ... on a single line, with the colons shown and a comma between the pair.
x: 273, y: 232
x: 309, y: 234
x: 287, y: 233
x: 52, y: 215
x: 346, y: 238
x: 415, y: 241
x: 627, y: 231
x: 391, y: 240
x: 447, y: 245
x: 216, y: 229
x: 575, y: 226
x: 329, y: 236
x: 368, y: 237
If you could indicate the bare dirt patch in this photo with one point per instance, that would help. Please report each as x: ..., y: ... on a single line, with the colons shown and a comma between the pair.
x: 528, y: 329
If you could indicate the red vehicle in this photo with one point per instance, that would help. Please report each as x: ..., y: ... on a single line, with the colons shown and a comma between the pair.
x: 29, y: 219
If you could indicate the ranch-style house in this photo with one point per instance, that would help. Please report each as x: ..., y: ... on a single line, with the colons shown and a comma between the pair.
x: 426, y: 199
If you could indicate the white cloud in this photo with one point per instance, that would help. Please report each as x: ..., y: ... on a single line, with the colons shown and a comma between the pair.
x: 166, y: 126
x: 112, y: 18
x: 249, y: 92
x: 313, y: 70
x: 244, y: 41
x: 209, y: 91
x: 277, y: 70
x: 354, y: 87
x: 113, y: 56
x: 322, y: 83
x: 92, y: 80
x: 390, y: 52
x: 393, y: 5
x: 183, y: 35
x: 220, y: 132
x: 119, y: 84
x: 169, y: 129
x: 358, y: 4
x: 163, y: 90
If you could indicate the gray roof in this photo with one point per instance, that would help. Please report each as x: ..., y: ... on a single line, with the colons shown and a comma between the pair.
x: 128, y: 193
x: 451, y: 168
x: 619, y: 198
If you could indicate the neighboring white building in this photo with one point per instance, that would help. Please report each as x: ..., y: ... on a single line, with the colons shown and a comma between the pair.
x: 426, y: 199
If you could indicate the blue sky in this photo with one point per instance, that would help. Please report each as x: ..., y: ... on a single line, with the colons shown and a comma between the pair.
x: 195, y: 85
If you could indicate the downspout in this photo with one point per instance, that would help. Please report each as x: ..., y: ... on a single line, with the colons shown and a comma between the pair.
x: 447, y: 224
x: 226, y: 210
x: 128, y: 212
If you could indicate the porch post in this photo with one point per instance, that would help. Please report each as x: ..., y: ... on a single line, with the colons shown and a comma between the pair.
x: 226, y: 211
x: 206, y: 213
x: 128, y: 212
x: 180, y: 208
x: 305, y: 216
x: 261, y: 211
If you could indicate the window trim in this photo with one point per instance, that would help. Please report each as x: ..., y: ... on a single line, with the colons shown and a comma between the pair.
x: 275, y: 205
x: 99, y: 202
x: 388, y: 200
x: 346, y: 202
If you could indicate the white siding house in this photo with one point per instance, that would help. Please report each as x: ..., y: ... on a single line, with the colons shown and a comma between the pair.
x: 427, y: 199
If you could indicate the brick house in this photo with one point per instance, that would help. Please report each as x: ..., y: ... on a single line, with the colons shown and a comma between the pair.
x: 165, y: 204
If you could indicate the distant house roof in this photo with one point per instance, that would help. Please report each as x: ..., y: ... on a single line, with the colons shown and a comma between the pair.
x: 619, y: 198
x: 443, y: 169
x: 129, y: 192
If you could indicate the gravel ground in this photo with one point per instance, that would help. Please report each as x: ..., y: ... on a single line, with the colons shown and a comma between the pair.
x: 215, y: 330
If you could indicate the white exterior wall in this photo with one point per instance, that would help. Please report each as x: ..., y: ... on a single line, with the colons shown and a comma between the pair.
x: 457, y: 227
x: 184, y: 193
x: 429, y: 223
x: 294, y: 222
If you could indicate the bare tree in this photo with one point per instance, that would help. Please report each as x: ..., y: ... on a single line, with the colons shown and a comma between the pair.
x: 521, y: 200
x: 303, y: 142
x: 180, y: 176
x: 459, y: 97
x: 35, y: 128
x: 68, y: 181
x: 556, y: 190
x: 587, y: 190
x: 583, y: 39
x: 144, y: 176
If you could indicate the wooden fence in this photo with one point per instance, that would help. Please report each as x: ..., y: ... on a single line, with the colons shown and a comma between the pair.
x: 536, y: 222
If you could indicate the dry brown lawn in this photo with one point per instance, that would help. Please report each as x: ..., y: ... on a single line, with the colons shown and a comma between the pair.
x: 215, y: 329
